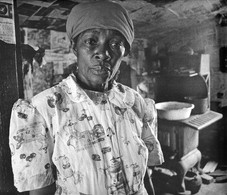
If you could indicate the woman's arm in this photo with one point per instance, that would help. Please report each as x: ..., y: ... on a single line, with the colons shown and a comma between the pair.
x: 31, y: 143
x: 149, y: 133
x: 49, y: 190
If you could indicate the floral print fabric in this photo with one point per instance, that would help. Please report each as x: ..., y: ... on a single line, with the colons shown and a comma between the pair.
x: 87, y: 142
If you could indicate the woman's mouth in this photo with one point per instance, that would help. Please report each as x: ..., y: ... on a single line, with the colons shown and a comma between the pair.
x: 101, y: 69
x: 98, y: 70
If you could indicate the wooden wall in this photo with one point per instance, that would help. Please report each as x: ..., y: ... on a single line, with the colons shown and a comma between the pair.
x: 11, y: 89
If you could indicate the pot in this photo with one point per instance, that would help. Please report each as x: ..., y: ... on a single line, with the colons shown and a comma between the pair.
x: 200, y: 103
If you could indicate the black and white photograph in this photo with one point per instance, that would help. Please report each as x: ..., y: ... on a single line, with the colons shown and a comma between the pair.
x: 113, y: 97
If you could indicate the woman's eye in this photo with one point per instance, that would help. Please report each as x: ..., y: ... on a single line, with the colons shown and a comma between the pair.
x: 116, y: 44
x: 90, y: 41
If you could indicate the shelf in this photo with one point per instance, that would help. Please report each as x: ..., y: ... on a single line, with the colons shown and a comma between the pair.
x: 203, y: 120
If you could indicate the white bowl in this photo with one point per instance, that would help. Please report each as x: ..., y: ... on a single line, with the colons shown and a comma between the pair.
x: 173, y: 110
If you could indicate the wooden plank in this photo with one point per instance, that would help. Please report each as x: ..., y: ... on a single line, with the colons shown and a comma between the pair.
x: 210, y: 167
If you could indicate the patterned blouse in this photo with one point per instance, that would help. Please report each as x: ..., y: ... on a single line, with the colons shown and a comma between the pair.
x: 87, y: 142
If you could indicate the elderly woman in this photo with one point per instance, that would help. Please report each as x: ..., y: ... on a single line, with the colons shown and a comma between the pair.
x: 88, y: 135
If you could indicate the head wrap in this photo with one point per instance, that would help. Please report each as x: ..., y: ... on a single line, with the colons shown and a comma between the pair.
x: 100, y: 14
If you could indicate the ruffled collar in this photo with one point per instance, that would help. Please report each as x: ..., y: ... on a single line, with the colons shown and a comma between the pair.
x: 77, y: 94
x: 118, y: 95
x: 98, y: 97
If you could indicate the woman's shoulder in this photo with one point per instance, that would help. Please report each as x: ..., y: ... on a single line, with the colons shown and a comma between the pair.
x: 48, y: 98
x: 126, y: 93
x: 140, y: 105
x: 130, y: 96
x: 42, y: 96
x: 126, y: 89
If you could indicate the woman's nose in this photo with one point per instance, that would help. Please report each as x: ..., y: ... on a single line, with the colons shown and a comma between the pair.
x: 102, y: 53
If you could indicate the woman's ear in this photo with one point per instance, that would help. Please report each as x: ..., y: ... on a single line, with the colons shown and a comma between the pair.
x: 127, y: 50
x: 73, y: 45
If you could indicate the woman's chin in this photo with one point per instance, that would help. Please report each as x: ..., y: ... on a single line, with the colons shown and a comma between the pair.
x: 97, y: 83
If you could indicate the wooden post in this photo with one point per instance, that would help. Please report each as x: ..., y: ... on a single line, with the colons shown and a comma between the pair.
x: 11, y: 88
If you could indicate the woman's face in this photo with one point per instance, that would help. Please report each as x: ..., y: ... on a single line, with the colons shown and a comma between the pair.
x: 99, y: 53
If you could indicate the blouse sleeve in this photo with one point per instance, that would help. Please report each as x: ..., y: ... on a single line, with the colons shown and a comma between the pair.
x: 149, y: 133
x: 31, y: 145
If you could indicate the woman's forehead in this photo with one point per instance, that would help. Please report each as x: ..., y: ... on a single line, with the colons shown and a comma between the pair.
x: 100, y: 31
